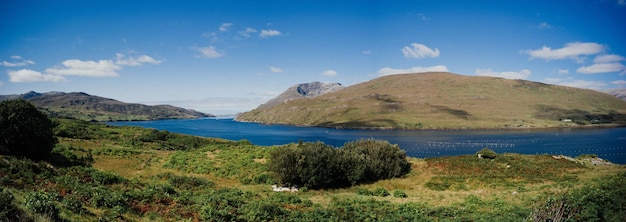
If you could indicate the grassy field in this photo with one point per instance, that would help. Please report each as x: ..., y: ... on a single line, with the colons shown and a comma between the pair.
x: 447, y: 101
x: 106, y: 173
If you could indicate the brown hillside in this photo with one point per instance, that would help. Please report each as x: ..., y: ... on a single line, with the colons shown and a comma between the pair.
x: 447, y: 101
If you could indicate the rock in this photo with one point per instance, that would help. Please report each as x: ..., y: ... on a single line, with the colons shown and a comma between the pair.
x: 303, y: 90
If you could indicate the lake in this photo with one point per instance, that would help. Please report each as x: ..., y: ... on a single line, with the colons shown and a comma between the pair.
x: 607, y: 143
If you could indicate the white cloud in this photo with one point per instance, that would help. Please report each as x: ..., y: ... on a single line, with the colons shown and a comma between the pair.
x: 275, y: 69
x: 122, y: 59
x: 75, y: 67
x: 601, y: 68
x: 21, y: 62
x: 544, y: 25
x: 619, y: 83
x: 608, y: 58
x: 269, y: 33
x: 246, y: 33
x: 596, y: 85
x: 225, y: 26
x: 208, y: 52
x: 329, y: 73
x: 571, y: 50
x: 366, y: 52
x: 522, y: 74
x: 562, y: 71
x: 1, y: 83
x: 390, y: 71
x: 419, y: 51
x: 27, y: 75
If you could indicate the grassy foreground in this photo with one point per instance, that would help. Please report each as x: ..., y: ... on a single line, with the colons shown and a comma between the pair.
x: 105, y: 173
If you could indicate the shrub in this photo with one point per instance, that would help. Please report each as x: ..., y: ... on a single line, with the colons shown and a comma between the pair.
x: 381, y: 192
x: 486, y: 153
x: 24, y: 130
x: 8, y: 210
x: 42, y: 203
x: 317, y: 165
x: 399, y: 194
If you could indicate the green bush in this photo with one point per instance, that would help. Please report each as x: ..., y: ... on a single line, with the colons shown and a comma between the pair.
x: 486, y: 153
x: 42, y: 203
x: 317, y: 165
x: 8, y: 210
x: 381, y: 192
x: 399, y: 194
x: 25, y: 131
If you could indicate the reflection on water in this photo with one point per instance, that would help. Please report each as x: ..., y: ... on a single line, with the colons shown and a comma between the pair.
x: 607, y: 143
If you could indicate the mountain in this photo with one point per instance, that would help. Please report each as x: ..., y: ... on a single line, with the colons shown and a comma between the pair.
x: 447, y: 101
x: 303, y: 90
x: 80, y: 105
x: 619, y: 93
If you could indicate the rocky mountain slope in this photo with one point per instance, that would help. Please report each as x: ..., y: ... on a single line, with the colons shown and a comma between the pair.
x: 83, y: 106
x: 447, y: 101
x: 303, y: 90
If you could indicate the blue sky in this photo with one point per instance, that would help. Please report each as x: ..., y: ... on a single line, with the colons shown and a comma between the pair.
x: 224, y: 57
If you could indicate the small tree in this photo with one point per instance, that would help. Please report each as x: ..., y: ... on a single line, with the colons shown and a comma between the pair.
x: 24, y: 130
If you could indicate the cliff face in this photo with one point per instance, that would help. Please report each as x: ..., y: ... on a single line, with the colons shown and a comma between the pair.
x: 81, y: 105
x: 303, y: 90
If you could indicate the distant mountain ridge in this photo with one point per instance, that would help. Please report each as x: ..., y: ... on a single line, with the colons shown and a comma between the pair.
x: 80, y: 105
x: 619, y: 93
x: 303, y: 90
x: 447, y: 101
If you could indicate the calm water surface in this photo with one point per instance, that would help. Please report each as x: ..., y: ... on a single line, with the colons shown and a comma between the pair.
x: 609, y: 143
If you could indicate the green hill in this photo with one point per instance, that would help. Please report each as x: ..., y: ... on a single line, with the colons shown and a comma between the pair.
x: 79, y: 105
x: 447, y: 101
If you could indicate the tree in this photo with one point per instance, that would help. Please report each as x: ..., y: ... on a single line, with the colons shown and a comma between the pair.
x: 24, y: 130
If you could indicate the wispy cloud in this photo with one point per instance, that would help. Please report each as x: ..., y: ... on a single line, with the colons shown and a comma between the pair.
x: 18, y: 61
x: 573, y: 50
x: 419, y: 51
x: 329, y: 73
x: 562, y: 71
x: 75, y: 67
x: 522, y: 74
x: 595, y: 85
x: 225, y: 26
x: 269, y: 33
x: 619, y: 83
x: 390, y: 71
x: 247, y: 32
x: 366, y: 52
x: 608, y: 58
x: 544, y: 25
x: 122, y: 59
x: 275, y: 69
x: 601, y: 68
x: 208, y: 52
x: 27, y: 75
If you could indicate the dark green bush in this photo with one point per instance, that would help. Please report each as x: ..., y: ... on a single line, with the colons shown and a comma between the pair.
x: 8, y: 210
x: 381, y: 192
x: 317, y: 165
x: 25, y: 131
x: 399, y: 194
x: 486, y: 153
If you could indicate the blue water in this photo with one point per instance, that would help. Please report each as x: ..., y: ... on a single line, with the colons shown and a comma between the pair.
x: 607, y: 143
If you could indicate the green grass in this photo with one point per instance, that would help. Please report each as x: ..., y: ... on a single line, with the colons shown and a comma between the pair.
x: 137, y: 174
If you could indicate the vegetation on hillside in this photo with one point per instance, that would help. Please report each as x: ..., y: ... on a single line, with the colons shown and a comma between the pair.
x: 99, y: 172
x: 78, y: 105
x: 447, y: 101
